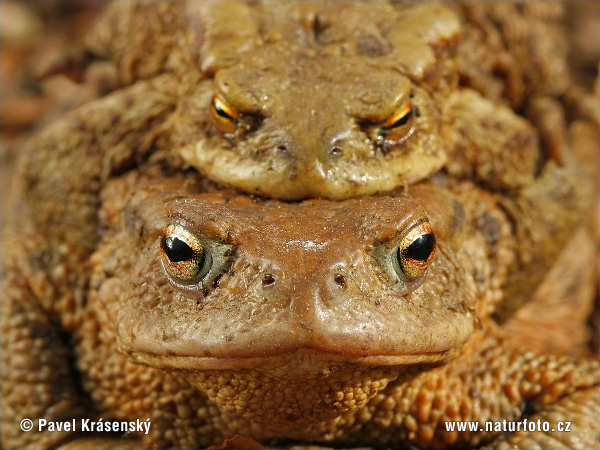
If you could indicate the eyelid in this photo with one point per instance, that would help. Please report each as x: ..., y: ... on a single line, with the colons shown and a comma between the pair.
x: 391, y: 231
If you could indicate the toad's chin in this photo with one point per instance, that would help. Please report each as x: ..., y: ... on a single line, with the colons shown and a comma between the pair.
x: 286, y: 399
x: 295, y: 388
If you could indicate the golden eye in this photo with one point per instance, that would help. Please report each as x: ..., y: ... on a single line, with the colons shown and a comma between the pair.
x: 224, y: 116
x: 399, y: 126
x: 415, y: 251
x: 183, y: 255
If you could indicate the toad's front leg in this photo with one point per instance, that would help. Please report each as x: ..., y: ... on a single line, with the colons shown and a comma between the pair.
x: 575, y: 414
x: 489, y: 383
x: 559, y: 393
x: 52, y: 228
x: 37, y: 380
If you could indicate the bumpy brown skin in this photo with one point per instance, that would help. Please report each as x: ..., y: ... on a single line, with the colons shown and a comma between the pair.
x: 162, y: 106
x: 359, y: 360
x: 46, y: 243
x: 512, y: 51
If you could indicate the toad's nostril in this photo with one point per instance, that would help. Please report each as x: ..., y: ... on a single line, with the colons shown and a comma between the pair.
x: 340, y: 280
x: 268, y: 280
x: 336, y: 150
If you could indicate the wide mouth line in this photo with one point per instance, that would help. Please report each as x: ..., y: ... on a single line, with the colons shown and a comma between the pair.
x: 193, y: 362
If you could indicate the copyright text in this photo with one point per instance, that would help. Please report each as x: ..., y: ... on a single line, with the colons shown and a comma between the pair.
x: 89, y: 425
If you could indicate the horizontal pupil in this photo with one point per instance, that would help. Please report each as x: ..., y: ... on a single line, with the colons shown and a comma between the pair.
x: 176, y: 250
x: 401, y: 121
x: 420, y: 248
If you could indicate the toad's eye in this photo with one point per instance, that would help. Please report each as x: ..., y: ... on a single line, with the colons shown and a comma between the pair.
x: 399, y: 126
x: 183, y: 255
x: 415, y: 251
x: 223, y: 114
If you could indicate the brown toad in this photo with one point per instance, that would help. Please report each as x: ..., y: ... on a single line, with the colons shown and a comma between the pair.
x: 320, y: 99
x: 325, y: 99
x: 361, y: 322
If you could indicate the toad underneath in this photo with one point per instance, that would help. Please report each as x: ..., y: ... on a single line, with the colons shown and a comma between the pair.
x: 360, y: 322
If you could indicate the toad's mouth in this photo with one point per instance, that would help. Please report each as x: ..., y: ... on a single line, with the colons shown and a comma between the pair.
x: 302, y: 359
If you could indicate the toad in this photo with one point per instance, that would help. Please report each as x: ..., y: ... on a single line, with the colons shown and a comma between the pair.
x: 331, y: 99
x: 360, y: 322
